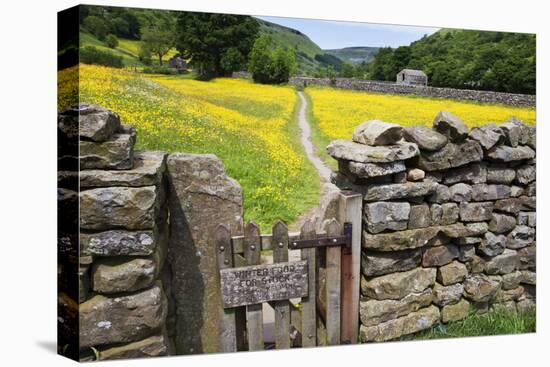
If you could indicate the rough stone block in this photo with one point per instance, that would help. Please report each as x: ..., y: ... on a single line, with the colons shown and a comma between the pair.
x: 483, y: 192
x: 528, y: 277
x: 115, y: 275
x: 474, y: 173
x: 409, y: 324
x: 526, y: 305
x: 123, y: 319
x: 89, y: 121
x: 480, y: 288
x: 501, y: 223
x: 511, y: 280
x: 440, y: 195
x: 424, y: 137
x: 466, y: 252
x: 399, y: 191
x: 487, y: 135
x: 153, y: 346
x: 521, y: 236
x: 504, y: 263
x: 511, y: 133
x: 351, y: 151
x: 476, y: 212
x: 374, y: 312
x: 500, y: 175
x: 440, y: 255
x: 116, y: 153
x: 527, y: 257
x: 379, y: 263
x: 398, y: 285
x: 509, y: 294
x: 115, y: 207
x: 460, y: 192
x: 527, y: 219
x: 448, y: 295
x: 415, y: 174
x: 367, y: 170
x: 450, y: 126
x: 444, y: 214
x: 451, y: 273
x: 376, y: 132
x: 451, y: 156
x: 402, y: 240
x: 503, y: 153
x: 492, y: 245
x: 148, y: 170
x: 419, y: 216
x: 455, y: 312
x: 387, y: 215
x: 526, y: 174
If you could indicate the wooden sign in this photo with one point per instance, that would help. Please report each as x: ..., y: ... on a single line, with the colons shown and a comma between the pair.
x: 254, y: 284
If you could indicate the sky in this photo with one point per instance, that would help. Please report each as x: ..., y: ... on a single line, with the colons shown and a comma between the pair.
x: 333, y: 34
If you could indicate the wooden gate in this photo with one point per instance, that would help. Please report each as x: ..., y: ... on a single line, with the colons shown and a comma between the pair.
x: 312, y: 283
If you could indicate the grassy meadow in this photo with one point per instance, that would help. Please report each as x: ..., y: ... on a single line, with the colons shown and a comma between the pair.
x: 251, y: 127
x: 335, y: 113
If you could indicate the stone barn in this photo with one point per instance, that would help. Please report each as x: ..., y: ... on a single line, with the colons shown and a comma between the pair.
x: 412, y: 77
x: 178, y: 64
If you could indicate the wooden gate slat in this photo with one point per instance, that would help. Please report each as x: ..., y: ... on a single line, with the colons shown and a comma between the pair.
x: 333, y: 257
x: 350, y: 208
x: 255, y: 322
x: 228, y: 335
x: 309, y: 303
x: 240, y: 312
x: 282, y: 308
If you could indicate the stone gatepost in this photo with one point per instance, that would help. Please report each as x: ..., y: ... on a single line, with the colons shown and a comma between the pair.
x: 201, y: 196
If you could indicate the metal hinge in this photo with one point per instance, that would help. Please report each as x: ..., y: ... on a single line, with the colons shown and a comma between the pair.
x: 344, y: 240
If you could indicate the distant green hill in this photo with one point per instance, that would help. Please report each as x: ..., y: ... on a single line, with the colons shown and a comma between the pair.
x: 354, y: 55
x: 309, y: 55
x: 496, y: 61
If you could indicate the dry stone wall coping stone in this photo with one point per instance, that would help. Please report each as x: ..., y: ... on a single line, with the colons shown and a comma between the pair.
x: 376, y: 132
x: 426, y: 138
x: 116, y: 153
x: 504, y: 153
x: 450, y: 126
x: 89, y: 122
x: 487, y: 135
x: 450, y: 156
x: 351, y: 151
x: 148, y: 170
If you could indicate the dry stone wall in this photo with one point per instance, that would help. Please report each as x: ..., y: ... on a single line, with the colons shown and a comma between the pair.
x: 123, y: 221
x: 449, y: 222
x: 425, y: 91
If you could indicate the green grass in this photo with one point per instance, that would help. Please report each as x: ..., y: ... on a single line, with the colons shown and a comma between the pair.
x: 491, y: 323
x: 127, y: 49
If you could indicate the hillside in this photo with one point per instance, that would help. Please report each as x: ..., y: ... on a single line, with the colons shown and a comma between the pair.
x: 467, y: 59
x: 309, y: 55
x: 354, y: 55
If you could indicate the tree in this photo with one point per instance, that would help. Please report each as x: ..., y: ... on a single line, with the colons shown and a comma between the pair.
x: 206, y: 39
x: 144, y: 55
x: 111, y: 40
x: 96, y: 26
x: 348, y: 70
x: 270, y: 65
x: 158, y: 41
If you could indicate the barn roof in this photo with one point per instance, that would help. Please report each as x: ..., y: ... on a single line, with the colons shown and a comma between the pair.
x: 413, y: 72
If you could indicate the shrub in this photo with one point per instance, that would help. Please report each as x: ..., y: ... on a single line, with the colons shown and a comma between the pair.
x: 270, y: 65
x: 145, y: 55
x: 157, y: 69
x: 111, y: 41
x: 92, y: 55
